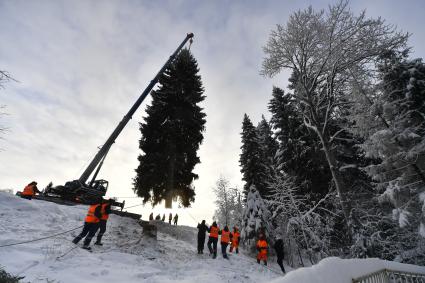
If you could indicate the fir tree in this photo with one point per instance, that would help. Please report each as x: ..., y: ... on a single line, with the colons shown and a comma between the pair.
x: 255, y: 216
x: 171, y: 135
x: 268, y: 146
x: 299, y: 153
x: 254, y: 172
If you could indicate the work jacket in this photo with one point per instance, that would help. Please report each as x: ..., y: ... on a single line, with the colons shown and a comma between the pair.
x: 262, y: 247
x: 94, y: 214
x: 235, y: 238
x: 214, y: 232
x: 105, y: 210
x: 225, y: 236
x: 28, y: 191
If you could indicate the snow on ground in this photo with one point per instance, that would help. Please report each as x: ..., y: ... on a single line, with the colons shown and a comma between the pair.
x: 127, y: 256
x: 333, y: 269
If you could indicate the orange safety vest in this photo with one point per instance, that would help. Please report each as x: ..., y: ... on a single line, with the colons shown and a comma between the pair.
x: 104, y: 216
x: 235, y: 242
x: 262, y: 245
x: 214, y: 232
x: 225, y: 236
x: 28, y: 191
x: 91, y: 218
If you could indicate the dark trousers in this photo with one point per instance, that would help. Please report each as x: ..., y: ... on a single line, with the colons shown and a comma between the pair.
x: 213, y: 249
x: 102, y: 229
x: 223, y: 249
x: 280, y: 262
x: 201, y: 243
x: 90, y: 230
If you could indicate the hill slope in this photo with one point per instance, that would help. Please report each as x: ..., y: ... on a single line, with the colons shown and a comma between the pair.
x: 127, y: 256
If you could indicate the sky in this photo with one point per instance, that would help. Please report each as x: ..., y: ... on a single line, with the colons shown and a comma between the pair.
x: 80, y: 65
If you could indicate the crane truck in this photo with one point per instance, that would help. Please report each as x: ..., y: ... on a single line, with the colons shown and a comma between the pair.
x: 84, y: 191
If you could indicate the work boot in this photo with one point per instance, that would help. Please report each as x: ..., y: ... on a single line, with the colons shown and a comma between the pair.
x: 98, y: 244
x: 87, y: 248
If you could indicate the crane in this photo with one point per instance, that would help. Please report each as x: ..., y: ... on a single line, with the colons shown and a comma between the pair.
x: 87, y: 192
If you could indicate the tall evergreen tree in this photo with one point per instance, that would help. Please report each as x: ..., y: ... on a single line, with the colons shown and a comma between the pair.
x: 252, y: 167
x: 299, y: 154
x: 171, y: 135
x: 269, y: 146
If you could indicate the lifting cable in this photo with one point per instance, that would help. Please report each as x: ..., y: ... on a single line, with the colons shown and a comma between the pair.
x: 35, y: 240
x: 191, y: 216
x: 127, y: 207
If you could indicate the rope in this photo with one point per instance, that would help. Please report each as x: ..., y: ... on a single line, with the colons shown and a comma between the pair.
x: 39, y: 239
x: 127, y: 197
x: 191, y: 216
x: 127, y: 207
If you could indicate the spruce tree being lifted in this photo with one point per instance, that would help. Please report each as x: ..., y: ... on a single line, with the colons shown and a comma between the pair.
x: 171, y: 135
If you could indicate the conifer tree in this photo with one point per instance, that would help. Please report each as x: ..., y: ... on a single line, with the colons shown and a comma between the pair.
x: 299, y: 153
x: 268, y: 147
x: 252, y: 167
x: 256, y: 216
x: 171, y: 135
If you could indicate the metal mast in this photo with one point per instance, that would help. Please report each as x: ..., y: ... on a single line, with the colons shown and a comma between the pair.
x: 105, y: 148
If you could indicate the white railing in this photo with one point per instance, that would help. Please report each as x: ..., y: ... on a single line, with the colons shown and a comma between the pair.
x: 391, y: 276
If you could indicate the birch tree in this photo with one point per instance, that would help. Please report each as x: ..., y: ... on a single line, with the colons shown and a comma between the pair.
x: 320, y: 48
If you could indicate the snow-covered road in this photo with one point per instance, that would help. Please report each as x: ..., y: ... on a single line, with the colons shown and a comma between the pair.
x: 127, y: 256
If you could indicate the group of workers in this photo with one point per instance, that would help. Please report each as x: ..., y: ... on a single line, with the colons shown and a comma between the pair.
x: 170, y: 218
x: 233, y: 239
x: 98, y: 214
x: 227, y: 238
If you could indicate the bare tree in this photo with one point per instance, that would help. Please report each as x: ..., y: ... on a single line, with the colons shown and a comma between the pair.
x: 321, y: 48
x: 224, y: 200
x: 228, y: 202
x: 4, y: 78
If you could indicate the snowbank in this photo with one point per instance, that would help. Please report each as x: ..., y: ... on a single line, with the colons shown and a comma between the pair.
x: 338, y: 270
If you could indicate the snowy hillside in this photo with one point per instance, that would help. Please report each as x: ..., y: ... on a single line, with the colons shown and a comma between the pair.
x: 126, y: 256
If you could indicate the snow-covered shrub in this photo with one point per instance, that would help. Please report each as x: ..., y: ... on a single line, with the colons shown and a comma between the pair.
x: 8, y: 278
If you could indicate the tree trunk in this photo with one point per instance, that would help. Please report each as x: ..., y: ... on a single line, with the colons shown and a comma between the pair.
x: 170, y: 179
x: 337, y: 178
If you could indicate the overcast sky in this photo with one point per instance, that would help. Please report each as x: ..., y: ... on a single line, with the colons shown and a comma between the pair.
x: 82, y: 64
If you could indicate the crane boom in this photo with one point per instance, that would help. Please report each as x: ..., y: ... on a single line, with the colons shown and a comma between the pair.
x: 105, y: 148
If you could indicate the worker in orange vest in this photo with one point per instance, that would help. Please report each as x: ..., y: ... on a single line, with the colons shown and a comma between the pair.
x: 225, y: 239
x: 30, y: 190
x: 91, y: 224
x: 105, y: 210
x: 235, y: 237
x: 262, y: 248
x: 213, y: 239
